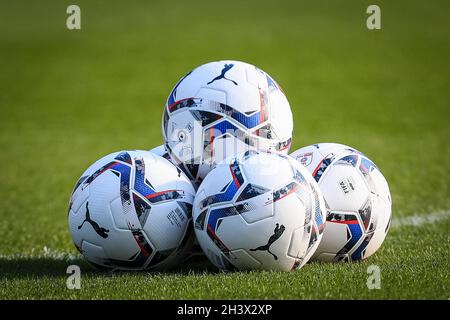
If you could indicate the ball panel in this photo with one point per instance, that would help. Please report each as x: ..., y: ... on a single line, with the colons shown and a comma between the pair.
x: 299, y: 242
x: 325, y: 257
x: 383, y: 211
x: 335, y: 236
x: 119, y: 220
x: 344, y: 189
x: 281, y: 115
x: 94, y: 253
x: 218, y: 95
x: 164, y: 222
x: 242, y: 260
x: 261, y: 204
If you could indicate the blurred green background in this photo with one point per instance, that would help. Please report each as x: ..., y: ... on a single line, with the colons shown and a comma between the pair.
x: 68, y: 97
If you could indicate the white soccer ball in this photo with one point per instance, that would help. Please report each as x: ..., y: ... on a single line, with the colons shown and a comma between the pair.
x: 357, y: 197
x: 259, y: 211
x: 223, y: 108
x: 132, y: 210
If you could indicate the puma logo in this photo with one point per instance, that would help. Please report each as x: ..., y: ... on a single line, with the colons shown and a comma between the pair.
x: 102, y: 232
x: 277, y: 232
x: 225, y: 69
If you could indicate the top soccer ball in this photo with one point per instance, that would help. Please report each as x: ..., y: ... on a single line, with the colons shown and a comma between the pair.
x: 357, y: 198
x: 223, y: 108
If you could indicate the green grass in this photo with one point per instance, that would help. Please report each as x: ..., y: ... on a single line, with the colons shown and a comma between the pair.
x: 69, y: 97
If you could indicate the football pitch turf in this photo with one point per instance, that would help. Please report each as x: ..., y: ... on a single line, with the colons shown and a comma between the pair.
x: 69, y: 97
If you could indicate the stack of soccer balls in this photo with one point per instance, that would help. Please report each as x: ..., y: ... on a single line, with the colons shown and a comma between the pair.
x: 223, y: 179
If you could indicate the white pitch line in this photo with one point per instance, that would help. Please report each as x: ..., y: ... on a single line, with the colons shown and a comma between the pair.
x: 44, y: 253
x: 418, y: 220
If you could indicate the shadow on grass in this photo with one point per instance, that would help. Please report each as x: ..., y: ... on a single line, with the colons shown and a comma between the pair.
x: 24, y: 267
x: 39, y: 267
